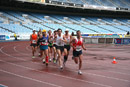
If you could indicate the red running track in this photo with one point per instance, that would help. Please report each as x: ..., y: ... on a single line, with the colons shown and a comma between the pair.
x: 18, y: 69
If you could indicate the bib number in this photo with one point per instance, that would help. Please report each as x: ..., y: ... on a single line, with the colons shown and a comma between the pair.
x: 44, y: 42
x: 78, y: 48
x: 59, y: 43
x: 34, y: 41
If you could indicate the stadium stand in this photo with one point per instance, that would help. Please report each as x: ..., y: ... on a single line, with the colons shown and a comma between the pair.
x: 23, y: 22
x: 90, y: 25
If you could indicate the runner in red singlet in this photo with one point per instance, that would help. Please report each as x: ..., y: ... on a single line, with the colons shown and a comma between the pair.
x: 77, y: 44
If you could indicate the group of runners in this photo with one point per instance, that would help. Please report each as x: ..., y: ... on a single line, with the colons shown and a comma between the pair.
x: 56, y: 45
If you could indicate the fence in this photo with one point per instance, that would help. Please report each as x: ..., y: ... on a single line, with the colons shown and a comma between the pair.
x: 107, y: 40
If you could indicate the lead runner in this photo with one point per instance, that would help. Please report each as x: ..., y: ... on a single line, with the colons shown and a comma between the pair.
x: 77, y: 44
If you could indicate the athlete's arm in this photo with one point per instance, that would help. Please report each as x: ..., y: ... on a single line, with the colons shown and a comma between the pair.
x: 70, y: 37
x: 72, y: 40
x: 40, y: 38
x: 83, y: 47
x: 64, y: 39
x: 71, y: 43
x: 50, y: 37
x: 54, y: 39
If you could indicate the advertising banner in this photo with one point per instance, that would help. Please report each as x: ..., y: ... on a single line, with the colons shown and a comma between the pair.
x: 2, y: 37
x: 118, y: 41
x: 126, y: 41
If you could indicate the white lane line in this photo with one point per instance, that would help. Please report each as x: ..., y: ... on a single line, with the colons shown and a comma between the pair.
x: 105, y: 63
x: 118, y: 63
x: 57, y: 75
x: 124, y: 68
x: 28, y: 48
x: 103, y: 76
x: 100, y: 75
x: 21, y: 76
x: 3, y: 85
x: 18, y: 51
x: 10, y: 55
x: 100, y: 65
x: 71, y: 77
x: 119, y: 73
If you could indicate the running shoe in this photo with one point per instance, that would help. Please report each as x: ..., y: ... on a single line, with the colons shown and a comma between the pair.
x: 79, y: 72
x: 50, y: 60
x: 39, y: 54
x: 61, y: 67
x: 43, y: 60
x: 33, y: 57
x: 54, y: 60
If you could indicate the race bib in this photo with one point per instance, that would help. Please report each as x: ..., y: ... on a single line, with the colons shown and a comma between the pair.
x: 34, y: 41
x: 44, y: 42
x: 59, y: 43
x: 78, y: 48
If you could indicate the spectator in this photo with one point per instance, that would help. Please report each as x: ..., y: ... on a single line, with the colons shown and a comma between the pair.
x: 15, y: 36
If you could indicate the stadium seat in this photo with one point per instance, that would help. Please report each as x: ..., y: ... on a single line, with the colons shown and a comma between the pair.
x: 90, y: 25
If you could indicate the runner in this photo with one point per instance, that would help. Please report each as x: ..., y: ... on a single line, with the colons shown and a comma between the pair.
x: 54, y: 46
x: 44, y: 45
x: 77, y: 45
x: 33, y: 39
x: 39, y: 34
x: 60, y: 39
x: 66, y: 46
x: 73, y: 37
x: 50, y: 45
